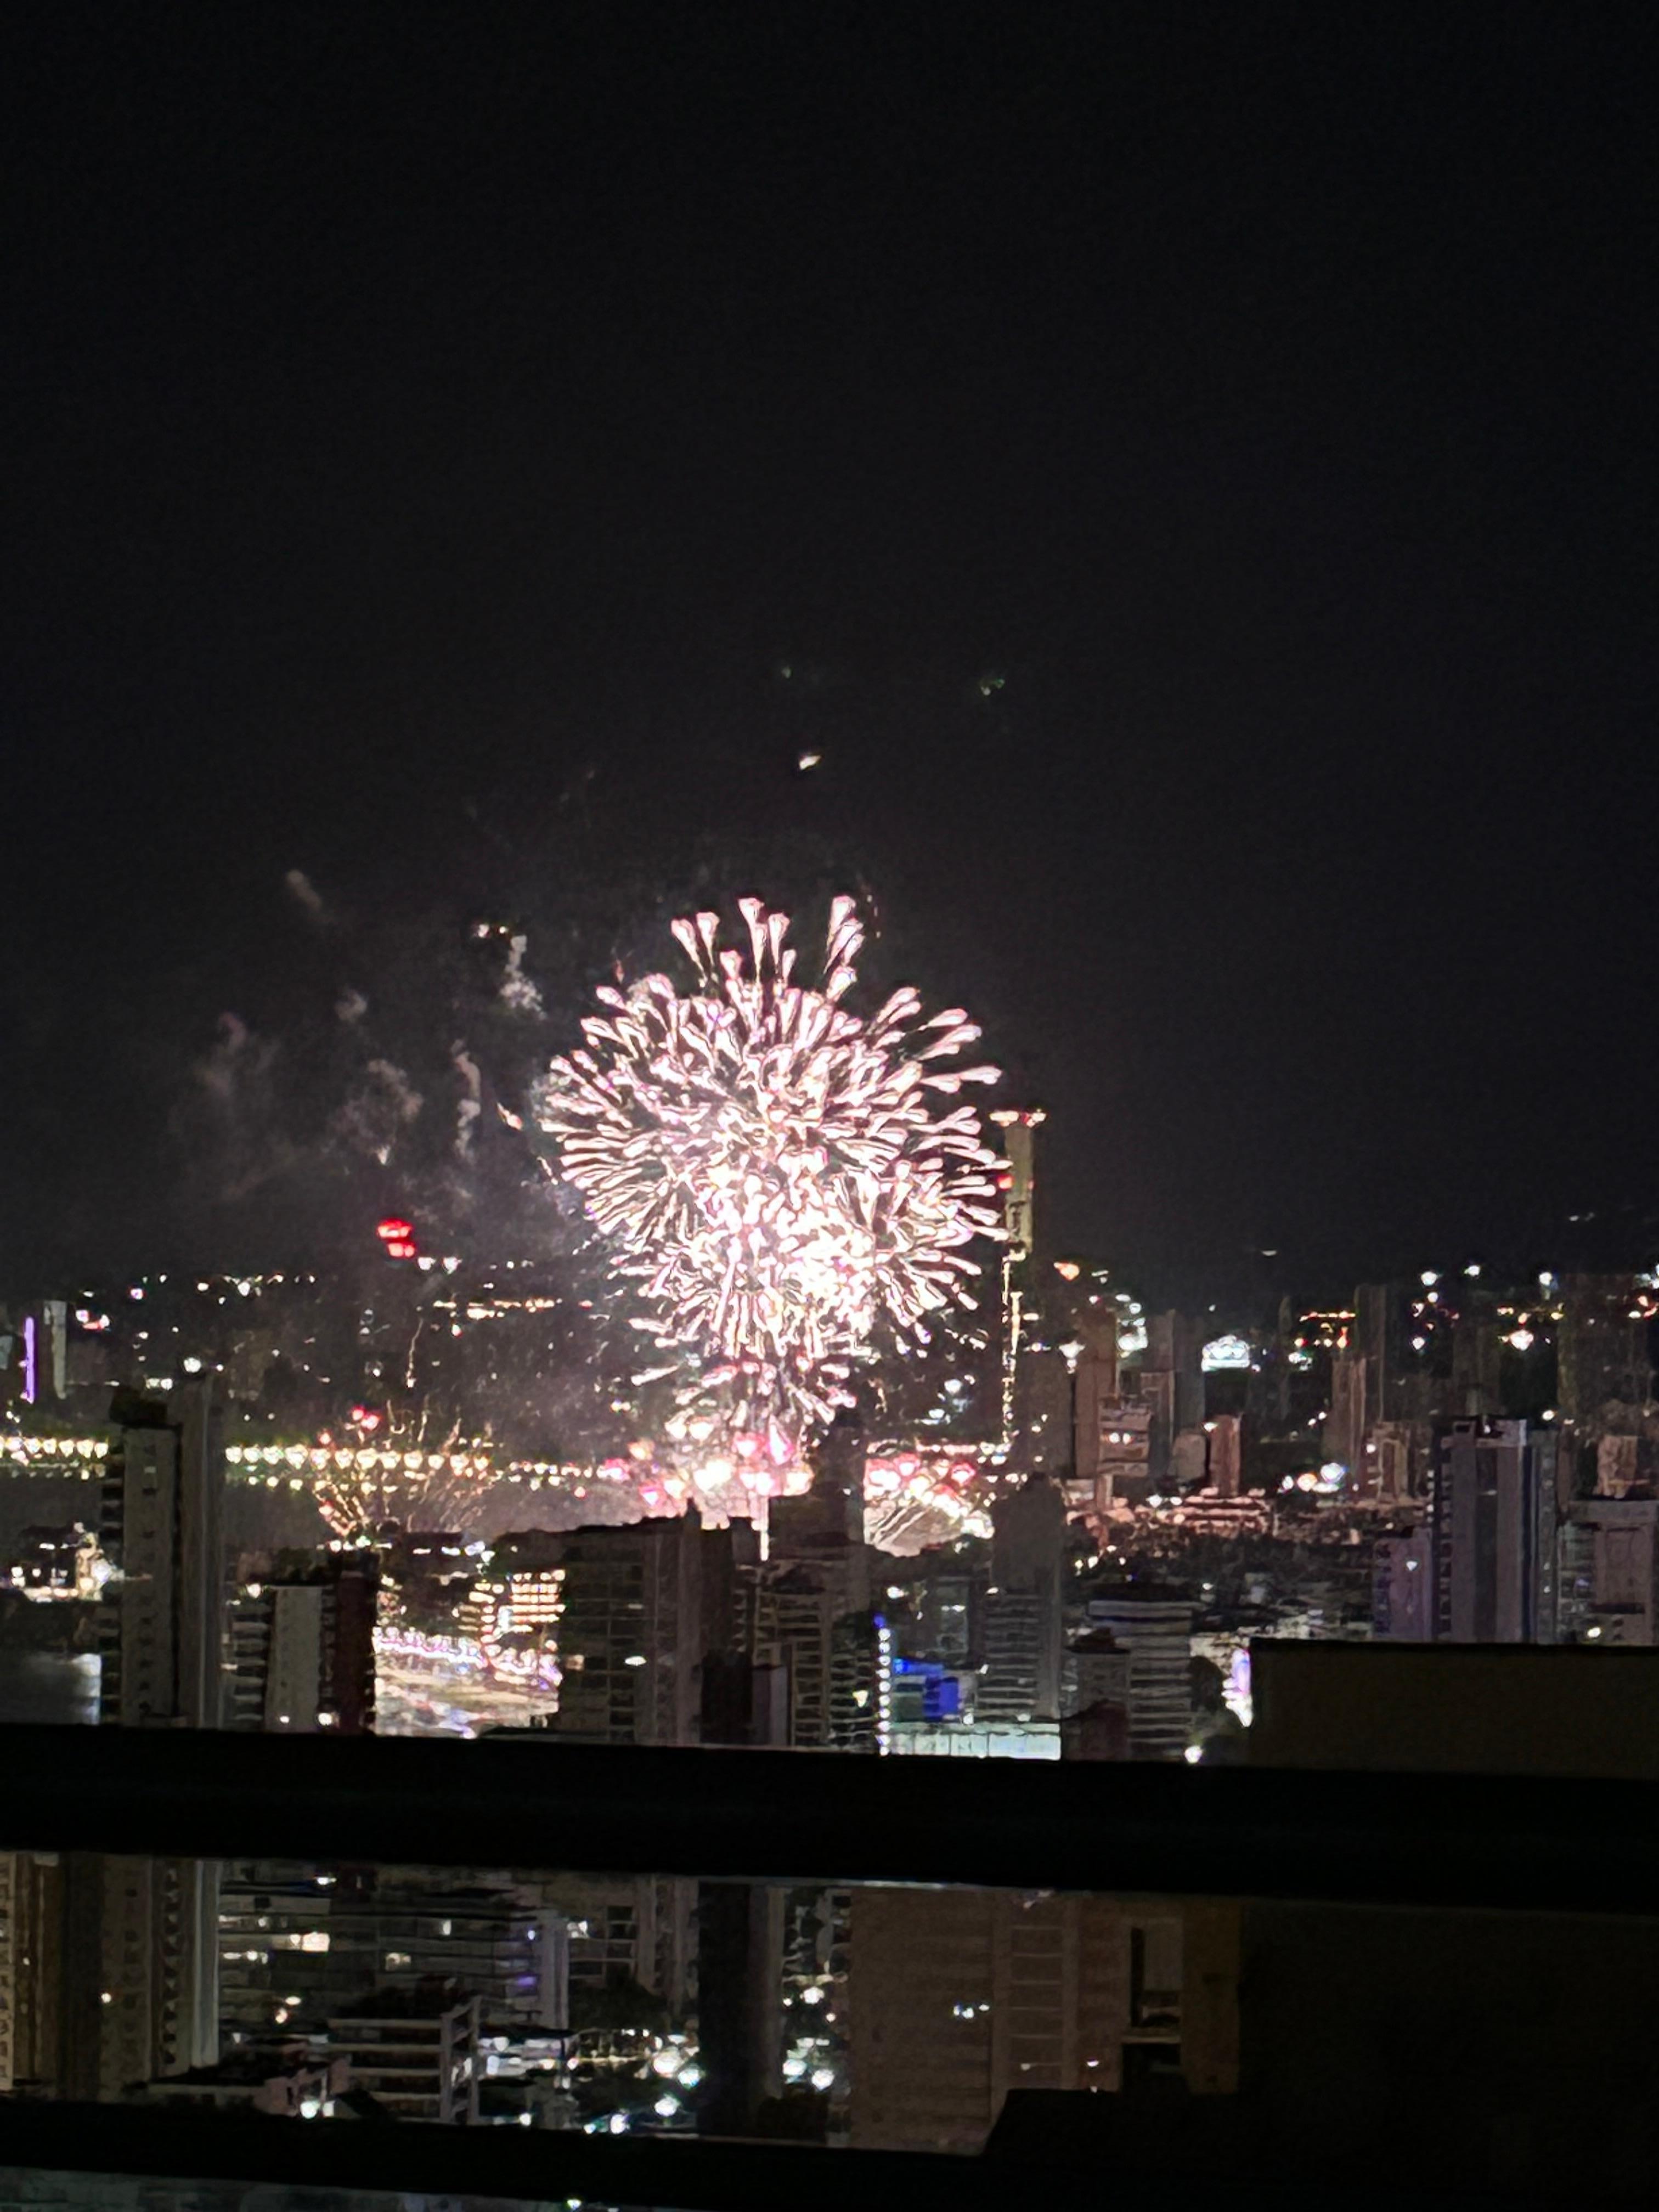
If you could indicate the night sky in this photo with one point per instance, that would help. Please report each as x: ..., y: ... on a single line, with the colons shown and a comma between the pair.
x: 1195, y: 465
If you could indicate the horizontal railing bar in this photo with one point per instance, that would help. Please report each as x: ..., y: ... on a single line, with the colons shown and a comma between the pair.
x: 1500, y: 1841
x: 552, y: 2166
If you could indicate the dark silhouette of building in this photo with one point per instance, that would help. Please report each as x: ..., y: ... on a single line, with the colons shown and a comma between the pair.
x: 302, y: 1646
x: 1492, y: 1530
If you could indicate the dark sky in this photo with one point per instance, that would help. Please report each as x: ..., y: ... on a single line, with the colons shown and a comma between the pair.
x: 431, y: 432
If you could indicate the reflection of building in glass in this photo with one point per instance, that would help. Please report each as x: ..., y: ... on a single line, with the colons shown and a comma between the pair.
x: 628, y: 1930
x: 297, y: 1946
x: 958, y: 1997
x: 415, y: 2054
x: 31, y: 1968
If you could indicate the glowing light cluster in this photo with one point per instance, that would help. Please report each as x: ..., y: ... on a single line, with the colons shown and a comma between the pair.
x: 22, y: 1451
x: 355, y: 1500
x: 913, y: 1499
x: 767, y: 1164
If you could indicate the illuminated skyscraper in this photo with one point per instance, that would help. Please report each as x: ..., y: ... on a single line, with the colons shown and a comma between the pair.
x: 1021, y: 1264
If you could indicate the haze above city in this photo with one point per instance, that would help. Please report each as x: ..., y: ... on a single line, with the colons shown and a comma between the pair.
x: 1183, y: 482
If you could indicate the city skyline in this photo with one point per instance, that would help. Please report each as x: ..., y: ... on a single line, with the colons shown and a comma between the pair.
x: 828, y: 1245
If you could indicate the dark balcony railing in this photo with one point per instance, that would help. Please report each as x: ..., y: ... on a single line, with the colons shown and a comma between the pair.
x: 1452, y: 1841
x: 539, y: 2168
x: 1474, y: 1840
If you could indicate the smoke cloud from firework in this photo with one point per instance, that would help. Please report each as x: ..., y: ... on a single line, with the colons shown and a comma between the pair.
x: 768, y: 1165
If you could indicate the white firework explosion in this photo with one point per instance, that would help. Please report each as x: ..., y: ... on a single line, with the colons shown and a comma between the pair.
x: 767, y: 1164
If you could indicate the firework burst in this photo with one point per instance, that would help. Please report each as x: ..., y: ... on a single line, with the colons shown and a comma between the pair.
x: 767, y: 1164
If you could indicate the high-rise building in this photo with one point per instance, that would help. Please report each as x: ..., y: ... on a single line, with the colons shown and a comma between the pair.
x: 519, y: 1594
x: 861, y: 1669
x: 141, y: 1952
x: 740, y: 1928
x: 1094, y: 1329
x: 1009, y: 1693
x: 1155, y: 1627
x: 794, y: 1621
x: 630, y: 1632
x: 1097, y: 1697
x: 1022, y: 1614
x: 1124, y: 1466
x: 1378, y: 1336
x: 1398, y: 1455
x: 135, y: 1961
x: 1175, y: 1344
x: 1402, y: 1588
x: 739, y: 1925
x: 1607, y: 1572
x: 298, y: 1945
x: 302, y: 1651
x: 947, y: 1600
x: 163, y: 1615
x: 626, y: 1930
x: 1491, y: 1528
x: 1344, y: 1438
x: 1020, y: 1305
x: 1226, y: 1465
x: 816, y: 1577
x: 828, y: 1519
x: 31, y: 1938
x: 958, y: 1997
x: 1094, y: 1390
x: 1172, y: 1383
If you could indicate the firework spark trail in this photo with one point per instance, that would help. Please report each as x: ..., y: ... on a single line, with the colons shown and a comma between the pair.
x: 355, y: 1502
x: 766, y: 1161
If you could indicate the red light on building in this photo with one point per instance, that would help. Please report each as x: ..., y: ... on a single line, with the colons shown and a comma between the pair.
x: 394, y: 1231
